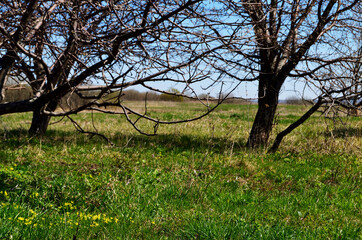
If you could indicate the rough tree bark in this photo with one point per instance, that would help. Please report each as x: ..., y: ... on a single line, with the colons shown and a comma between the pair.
x: 267, y: 105
x: 40, y: 121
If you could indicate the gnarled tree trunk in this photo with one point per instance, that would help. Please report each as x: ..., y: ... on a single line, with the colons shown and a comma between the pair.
x: 40, y: 121
x: 267, y: 106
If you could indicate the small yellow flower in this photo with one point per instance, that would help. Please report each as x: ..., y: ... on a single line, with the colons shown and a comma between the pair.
x: 94, y: 224
x: 32, y: 212
x: 107, y: 220
x: 35, y: 194
x: 27, y: 222
x: 20, y: 218
x: 153, y: 222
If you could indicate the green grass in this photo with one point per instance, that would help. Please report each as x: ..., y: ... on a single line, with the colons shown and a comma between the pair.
x: 192, y: 181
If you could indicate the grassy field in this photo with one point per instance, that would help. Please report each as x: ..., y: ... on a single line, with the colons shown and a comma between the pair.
x: 192, y: 181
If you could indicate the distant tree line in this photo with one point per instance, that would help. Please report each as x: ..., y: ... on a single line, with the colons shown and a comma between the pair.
x: 19, y: 92
x: 295, y: 101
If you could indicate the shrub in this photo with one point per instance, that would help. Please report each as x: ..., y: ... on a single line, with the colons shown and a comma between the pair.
x: 295, y: 101
x: 171, y: 97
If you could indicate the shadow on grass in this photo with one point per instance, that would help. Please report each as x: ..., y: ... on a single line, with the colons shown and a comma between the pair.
x: 343, y: 132
x: 180, y: 142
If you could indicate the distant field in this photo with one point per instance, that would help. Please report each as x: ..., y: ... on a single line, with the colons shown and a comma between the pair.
x: 194, y: 180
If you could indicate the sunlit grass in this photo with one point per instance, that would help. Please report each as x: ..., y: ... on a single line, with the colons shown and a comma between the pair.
x: 193, y: 180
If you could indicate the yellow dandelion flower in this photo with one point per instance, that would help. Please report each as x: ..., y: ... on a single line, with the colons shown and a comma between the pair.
x: 35, y: 194
x: 107, y: 220
x: 21, y: 218
x: 94, y: 224
x: 32, y: 212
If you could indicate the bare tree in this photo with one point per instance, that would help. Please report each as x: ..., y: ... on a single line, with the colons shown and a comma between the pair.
x: 287, y: 39
x: 62, y: 47
x: 355, y: 102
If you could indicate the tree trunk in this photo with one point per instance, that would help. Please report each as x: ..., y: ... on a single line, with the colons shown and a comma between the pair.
x: 267, y: 105
x: 40, y: 121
